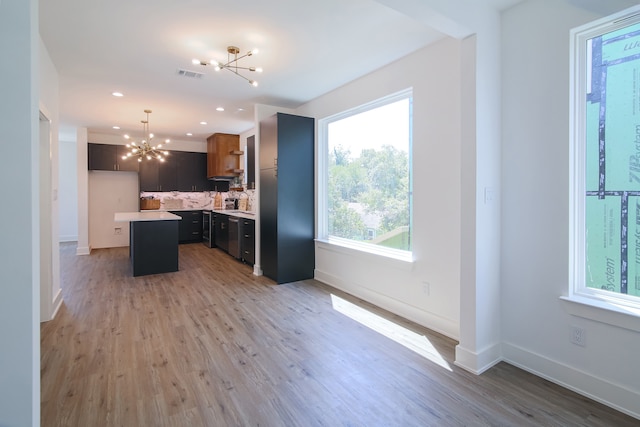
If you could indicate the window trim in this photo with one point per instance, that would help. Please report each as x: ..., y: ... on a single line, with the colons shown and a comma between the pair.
x: 323, y: 180
x: 405, y: 263
x: 595, y: 304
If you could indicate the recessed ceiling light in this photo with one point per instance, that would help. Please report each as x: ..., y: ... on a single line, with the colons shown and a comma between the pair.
x: 116, y: 127
x: 189, y: 134
x: 118, y: 94
x: 203, y: 123
x: 240, y: 109
x: 219, y: 109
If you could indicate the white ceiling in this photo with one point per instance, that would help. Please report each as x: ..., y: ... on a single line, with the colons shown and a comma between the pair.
x: 307, y: 48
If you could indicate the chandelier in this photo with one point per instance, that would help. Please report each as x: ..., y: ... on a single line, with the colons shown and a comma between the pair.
x: 232, y: 63
x: 144, y: 148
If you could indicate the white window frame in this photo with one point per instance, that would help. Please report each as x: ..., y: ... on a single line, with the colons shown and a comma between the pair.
x: 323, y: 181
x: 595, y: 304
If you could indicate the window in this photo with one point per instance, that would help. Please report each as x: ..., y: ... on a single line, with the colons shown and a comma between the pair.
x: 366, y: 186
x: 606, y: 159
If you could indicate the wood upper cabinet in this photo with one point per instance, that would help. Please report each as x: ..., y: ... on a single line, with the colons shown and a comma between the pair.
x: 108, y: 157
x: 223, y: 155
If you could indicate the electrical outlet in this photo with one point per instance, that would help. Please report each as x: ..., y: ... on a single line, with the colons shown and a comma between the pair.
x: 117, y: 231
x: 489, y: 195
x: 578, y: 336
x: 426, y: 288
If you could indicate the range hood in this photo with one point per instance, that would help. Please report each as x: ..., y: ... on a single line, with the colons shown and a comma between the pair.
x: 220, y: 178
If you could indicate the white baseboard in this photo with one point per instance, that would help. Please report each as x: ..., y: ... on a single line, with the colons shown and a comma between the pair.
x: 57, y: 303
x: 421, y: 317
x: 52, y: 309
x: 64, y: 239
x: 83, y: 250
x: 613, y: 395
x: 478, y: 362
x: 257, y: 271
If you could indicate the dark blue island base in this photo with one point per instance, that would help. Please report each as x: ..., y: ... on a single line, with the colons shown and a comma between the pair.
x: 153, y: 247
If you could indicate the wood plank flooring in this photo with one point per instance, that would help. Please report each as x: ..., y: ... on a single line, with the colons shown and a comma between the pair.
x: 213, y: 345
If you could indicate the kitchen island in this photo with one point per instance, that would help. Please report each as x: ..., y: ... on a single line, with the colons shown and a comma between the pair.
x: 153, y: 241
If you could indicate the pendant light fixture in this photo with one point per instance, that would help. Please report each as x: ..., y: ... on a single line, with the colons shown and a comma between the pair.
x: 145, y: 148
x: 232, y: 63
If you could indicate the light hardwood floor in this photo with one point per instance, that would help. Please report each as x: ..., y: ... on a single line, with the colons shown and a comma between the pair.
x: 213, y: 345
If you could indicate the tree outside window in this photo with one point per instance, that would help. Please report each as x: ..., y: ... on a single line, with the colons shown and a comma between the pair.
x: 368, y: 162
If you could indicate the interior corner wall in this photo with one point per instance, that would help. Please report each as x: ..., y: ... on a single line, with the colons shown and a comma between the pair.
x: 535, y: 210
x: 394, y: 286
x: 82, y: 160
x: 465, y: 350
x: 50, y: 204
x: 479, y: 323
x: 480, y: 335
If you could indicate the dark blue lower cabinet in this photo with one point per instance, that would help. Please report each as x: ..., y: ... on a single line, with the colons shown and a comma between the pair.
x: 153, y: 246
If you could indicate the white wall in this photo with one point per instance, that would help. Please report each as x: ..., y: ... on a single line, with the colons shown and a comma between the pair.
x: 434, y: 75
x: 84, y: 247
x: 535, y: 210
x: 111, y: 192
x: 19, y: 264
x: 68, y: 191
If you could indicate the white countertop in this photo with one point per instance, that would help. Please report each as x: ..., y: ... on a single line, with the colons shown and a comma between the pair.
x: 230, y: 212
x: 173, y: 210
x: 145, y: 216
x: 238, y: 213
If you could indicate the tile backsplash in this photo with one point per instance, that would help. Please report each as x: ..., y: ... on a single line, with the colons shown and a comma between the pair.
x: 197, y: 200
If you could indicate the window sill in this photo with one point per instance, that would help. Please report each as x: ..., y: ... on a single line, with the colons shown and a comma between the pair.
x: 602, y: 311
x: 395, y: 259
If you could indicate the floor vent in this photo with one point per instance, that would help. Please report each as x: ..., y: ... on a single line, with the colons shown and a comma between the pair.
x: 191, y: 74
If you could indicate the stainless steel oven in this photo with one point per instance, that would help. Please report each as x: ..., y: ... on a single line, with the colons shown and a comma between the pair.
x: 207, y: 228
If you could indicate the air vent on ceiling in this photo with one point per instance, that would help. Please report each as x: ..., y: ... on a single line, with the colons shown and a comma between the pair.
x: 191, y: 74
